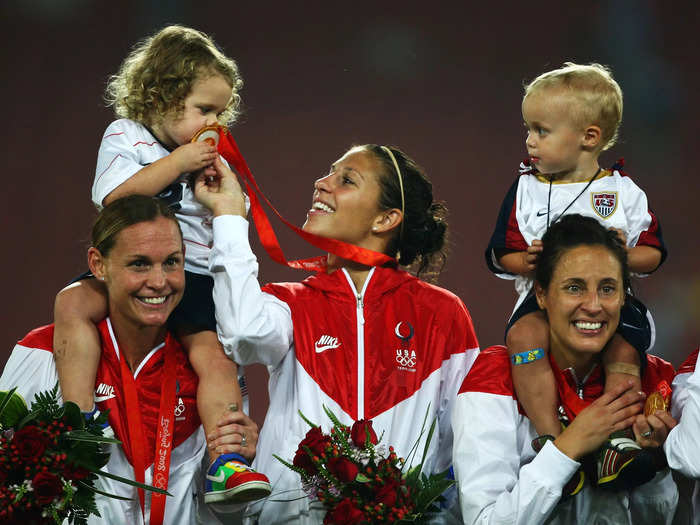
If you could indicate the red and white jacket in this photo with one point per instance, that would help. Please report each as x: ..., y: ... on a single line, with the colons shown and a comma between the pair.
x: 501, y: 480
x: 389, y: 352
x: 682, y: 446
x: 31, y: 368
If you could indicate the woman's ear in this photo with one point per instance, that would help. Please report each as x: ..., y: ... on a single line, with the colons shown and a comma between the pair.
x: 387, y: 220
x: 96, y: 263
x: 540, y: 295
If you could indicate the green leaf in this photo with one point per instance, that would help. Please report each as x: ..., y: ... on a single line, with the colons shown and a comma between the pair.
x: 284, y: 462
x: 83, y: 435
x: 73, y: 416
x: 13, y: 408
x: 361, y: 478
x: 412, y: 452
x: 306, y: 419
x: 126, y: 481
x: 428, y: 440
x: 113, y: 496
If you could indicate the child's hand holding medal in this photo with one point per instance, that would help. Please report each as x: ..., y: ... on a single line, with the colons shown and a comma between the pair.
x: 209, y: 135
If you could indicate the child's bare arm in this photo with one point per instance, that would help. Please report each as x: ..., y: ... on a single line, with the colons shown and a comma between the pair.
x: 522, y: 263
x: 77, y: 345
x: 643, y: 259
x: 152, y: 179
x: 218, y: 378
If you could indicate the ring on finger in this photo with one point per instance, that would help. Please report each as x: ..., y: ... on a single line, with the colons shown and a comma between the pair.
x: 244, y: 441
x: 646, y: 434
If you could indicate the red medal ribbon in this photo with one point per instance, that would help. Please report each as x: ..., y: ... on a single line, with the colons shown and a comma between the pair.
x: 229, y: 150
x: 164, y: 435
x: 569, y: 399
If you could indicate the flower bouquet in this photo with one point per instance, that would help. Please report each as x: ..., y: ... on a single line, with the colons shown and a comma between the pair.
x: 50, y: 457
x: 360, y: 481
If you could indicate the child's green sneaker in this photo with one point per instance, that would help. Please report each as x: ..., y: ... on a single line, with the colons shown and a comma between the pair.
x: 231, y: 479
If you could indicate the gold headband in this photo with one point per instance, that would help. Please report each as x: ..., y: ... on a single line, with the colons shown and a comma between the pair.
x: 398, y: 174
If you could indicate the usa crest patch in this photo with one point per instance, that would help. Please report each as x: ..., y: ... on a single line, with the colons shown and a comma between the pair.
x: 604, y: 203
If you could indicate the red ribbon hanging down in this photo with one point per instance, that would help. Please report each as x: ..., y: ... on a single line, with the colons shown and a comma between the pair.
x: 229, y: 150
x: 164, y: 434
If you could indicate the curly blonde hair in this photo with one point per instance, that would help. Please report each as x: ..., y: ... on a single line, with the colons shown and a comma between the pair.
x: 158, y: 74
x: 598, y: 94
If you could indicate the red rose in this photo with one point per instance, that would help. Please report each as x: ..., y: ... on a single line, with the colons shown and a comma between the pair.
x: 360, y: 430
x: 47, y: 487
x: 30, y: 442
x: 387, y: 493
x: 345, y: 513
x: 74, y: 472
x: 316, y: 441
x: 303, y: 461
x: 342, y: 468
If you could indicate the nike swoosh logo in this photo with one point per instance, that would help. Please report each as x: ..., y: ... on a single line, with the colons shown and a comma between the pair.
x: 100, y: 399
x: 217, y: 479
x: 323, y: 348
x: 541, y: 213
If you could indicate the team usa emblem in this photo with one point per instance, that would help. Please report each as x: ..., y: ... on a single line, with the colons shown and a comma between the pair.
x: 405, y: 357
x: 604, y: 203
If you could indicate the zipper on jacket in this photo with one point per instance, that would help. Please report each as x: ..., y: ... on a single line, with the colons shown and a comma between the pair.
x: 360, y: 358
x: 582, y: 383
x: 359, y: 299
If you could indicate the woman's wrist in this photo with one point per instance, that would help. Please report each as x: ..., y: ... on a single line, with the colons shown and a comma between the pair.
x: 229, y: 207
x: 569, y: 447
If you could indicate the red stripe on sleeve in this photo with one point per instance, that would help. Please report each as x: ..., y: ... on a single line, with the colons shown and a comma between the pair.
x: 490, y: 373
x: 650, y: 237
x: 688, y: 366
x: 40, y: 338
x: 514, y: 239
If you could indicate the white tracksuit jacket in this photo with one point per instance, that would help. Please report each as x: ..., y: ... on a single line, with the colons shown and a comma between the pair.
x: 385, y: 353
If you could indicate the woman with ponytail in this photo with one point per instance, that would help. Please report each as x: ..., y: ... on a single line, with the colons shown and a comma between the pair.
x: 368, y: 342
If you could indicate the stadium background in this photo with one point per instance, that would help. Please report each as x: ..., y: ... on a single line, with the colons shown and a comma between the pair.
x: 441, y: 80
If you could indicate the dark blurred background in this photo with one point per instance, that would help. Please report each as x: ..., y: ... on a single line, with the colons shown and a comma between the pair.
x: 441, y: 80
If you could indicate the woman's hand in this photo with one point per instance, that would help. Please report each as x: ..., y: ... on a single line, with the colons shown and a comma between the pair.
x: 220, y: 193
x: 651, y: 431
x: 612, y: 411
x: 235, y: 432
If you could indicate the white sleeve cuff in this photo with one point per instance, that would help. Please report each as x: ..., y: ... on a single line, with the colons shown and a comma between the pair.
x: 557, y: 468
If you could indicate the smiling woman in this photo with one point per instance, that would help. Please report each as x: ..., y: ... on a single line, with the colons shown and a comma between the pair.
x: 144, y: 375
x: 580, y: 282
x: 144, y: 273
x: 368, y: 342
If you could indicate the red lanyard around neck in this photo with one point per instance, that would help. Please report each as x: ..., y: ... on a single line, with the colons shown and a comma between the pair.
x: 569, y: 399
x: 164, y: 434
x: 229, y: 150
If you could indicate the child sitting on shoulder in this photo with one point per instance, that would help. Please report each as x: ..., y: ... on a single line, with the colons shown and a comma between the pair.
x: 170, y: 86
x: 572, y: 114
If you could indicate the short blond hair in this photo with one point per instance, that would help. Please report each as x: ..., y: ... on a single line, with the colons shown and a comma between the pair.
x: 158, y: 74
x: 598, y: 94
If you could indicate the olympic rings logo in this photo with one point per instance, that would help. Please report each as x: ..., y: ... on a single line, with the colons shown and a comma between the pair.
x: 405, y: 359
x: 180, y: 408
